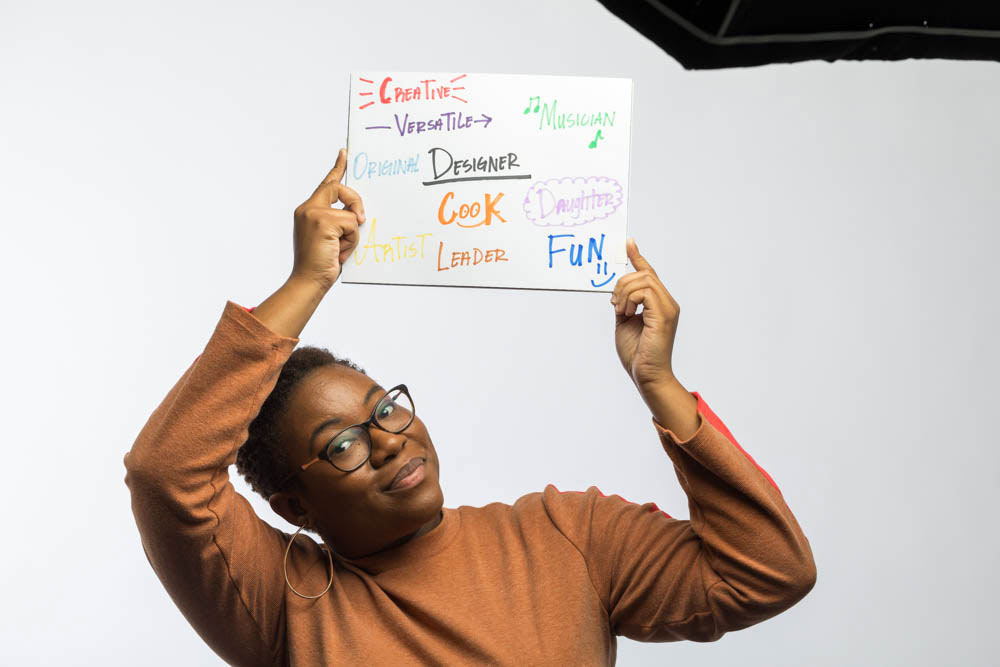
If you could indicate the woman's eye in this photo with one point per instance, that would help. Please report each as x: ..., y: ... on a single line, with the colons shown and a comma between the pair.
x: 340, y: 447
x: 386, y: 410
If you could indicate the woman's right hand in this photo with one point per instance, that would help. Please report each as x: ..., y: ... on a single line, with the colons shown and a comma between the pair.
x: 324, y: 237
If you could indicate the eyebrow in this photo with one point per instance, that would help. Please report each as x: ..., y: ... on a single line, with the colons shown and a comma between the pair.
x: 372, y: 390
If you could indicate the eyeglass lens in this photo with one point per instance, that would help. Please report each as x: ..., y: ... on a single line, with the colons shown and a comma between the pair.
x: 395, y: 411
x: 350, y: 448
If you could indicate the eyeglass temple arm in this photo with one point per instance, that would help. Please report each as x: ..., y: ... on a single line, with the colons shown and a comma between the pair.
x: 296, y: 472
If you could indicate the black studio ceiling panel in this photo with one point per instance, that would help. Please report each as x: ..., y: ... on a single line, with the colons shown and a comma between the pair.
x: 741, y: 33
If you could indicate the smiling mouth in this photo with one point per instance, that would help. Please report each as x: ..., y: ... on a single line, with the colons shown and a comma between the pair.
x: 411, y: 474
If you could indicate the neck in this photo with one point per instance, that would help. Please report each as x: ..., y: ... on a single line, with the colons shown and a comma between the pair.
x: 363, y: 552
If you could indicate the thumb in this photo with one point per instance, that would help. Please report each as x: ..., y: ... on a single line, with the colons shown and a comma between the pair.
x: 638, y: 261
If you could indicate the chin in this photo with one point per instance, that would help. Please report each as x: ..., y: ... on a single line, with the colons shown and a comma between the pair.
x: 430, y: 499
x: 426, y: 502
x: 428, y: 495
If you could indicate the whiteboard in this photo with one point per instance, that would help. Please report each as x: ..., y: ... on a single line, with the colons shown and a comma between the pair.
x: 490, y: 180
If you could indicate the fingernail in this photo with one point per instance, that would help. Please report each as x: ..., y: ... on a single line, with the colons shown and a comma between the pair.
x: 361, y: 217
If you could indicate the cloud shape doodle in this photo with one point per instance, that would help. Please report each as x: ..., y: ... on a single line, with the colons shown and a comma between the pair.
x: 572, y: 201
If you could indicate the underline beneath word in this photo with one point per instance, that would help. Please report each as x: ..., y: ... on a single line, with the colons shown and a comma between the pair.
x: 477, y: 178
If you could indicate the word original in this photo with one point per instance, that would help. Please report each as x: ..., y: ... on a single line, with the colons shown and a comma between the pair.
x: 595, y: 249
x: 444, y: 163
x: 572, y: 200
x: 470, y: 211
x: 472, y: 257
x: 449, y: 121
x: 399, y: 248
x: 364, y: 167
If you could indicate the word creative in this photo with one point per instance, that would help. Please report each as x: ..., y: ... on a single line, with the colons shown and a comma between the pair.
x: 427, y: 89
x: 390, y: 92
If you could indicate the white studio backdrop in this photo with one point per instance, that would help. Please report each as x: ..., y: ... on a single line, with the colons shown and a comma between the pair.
x: 828, y: 230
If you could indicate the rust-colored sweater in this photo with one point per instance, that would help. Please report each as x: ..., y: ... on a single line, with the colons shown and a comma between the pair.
x: 549, y: 580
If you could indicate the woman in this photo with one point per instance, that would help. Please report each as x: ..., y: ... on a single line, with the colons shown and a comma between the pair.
x: 398, y: 578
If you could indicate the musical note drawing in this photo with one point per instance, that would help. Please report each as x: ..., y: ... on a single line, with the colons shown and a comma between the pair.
x: 593, y: 144
x: 538, y: 102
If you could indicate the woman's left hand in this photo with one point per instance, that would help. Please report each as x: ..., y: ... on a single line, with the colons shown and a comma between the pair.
x: 645, y: 341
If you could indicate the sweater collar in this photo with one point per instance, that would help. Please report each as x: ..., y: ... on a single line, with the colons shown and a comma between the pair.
x: 412, y: 552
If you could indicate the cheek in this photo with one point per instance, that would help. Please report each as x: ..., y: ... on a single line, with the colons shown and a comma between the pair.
x: 420, y: 430
x: 349, y: 507
x: 343, y: 490
x: 432, y: 455
x: 428, y: 444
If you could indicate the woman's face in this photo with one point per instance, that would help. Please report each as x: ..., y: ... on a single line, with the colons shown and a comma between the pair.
x: 357, y: 512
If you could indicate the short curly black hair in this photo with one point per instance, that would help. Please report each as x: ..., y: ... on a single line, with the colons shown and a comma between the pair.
x: 261, y: 460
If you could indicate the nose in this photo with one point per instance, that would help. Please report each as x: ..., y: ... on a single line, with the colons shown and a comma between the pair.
x: 385, y: 446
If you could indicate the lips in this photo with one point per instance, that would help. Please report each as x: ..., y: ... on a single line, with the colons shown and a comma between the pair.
x: 407, y: 468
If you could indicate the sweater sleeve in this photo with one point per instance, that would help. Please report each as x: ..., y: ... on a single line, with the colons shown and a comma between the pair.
x: 219, y: 562
x: 739, y: 560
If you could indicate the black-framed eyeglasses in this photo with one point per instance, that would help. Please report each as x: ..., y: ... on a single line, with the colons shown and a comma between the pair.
x: 352, y: 447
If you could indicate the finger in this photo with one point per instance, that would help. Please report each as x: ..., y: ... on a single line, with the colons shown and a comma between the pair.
x: 349, y: 241
x: 638, y: 261
x: 341, y: 223
x: 326, y: 192
x: 352, y: 201
x: 626, y: 284
x: 333, y: 224
x: 339, y: 167
x: 343, y: 226
x: 623, y: 283
x: 635, y: 298
x: 349, y: 238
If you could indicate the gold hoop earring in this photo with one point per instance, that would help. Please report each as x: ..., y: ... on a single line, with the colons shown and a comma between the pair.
x: 284, y: 566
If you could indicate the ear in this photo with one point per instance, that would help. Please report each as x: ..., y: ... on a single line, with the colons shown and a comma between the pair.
x: 287, y: 506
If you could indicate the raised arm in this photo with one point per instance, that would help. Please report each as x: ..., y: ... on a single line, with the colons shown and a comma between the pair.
x: 740, y: 559
x: 218, y: 561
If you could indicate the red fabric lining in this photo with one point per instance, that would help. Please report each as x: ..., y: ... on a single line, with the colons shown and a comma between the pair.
x: 714, y: 420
